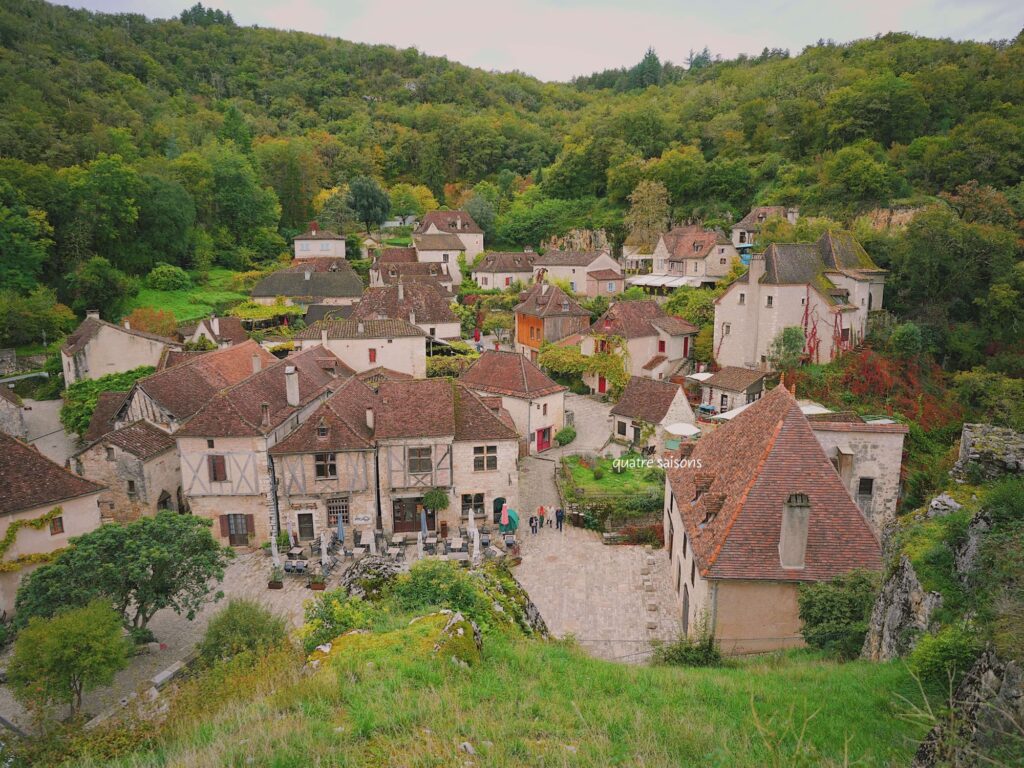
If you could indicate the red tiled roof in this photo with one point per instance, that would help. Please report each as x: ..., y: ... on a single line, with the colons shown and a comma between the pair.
x: 399, y: 301
x: 342, y: 416
x: 87, y: 330
x: 555, y: 258
x: 28, y: 479
x: 360, y: 329
x: 753, y: 220
x: 397, y: 256
x: 173, y: 357
x: 449, y: 221
x: 734, y: 378
x: 507, y: 261
x: 548, y: 300
x: 646, y: 399
x: 103, y: 415
x: 380, y: 373
x: 749, y: 467
x: 689, y: 242
x: 637, y: 319
x: 605, y: 274
x: 315, y: 233
x: 509, y: 373
x: 654, y: 362
x: 437, y: 407
x: 140, y: 438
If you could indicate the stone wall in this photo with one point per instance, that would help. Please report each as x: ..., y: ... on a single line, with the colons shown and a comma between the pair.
x: 902, y: 612
x: 988, y: 452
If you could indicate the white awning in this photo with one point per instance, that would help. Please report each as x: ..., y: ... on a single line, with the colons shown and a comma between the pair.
x: 809, y: 409
x: 682, y: 429
x: 702, y: 376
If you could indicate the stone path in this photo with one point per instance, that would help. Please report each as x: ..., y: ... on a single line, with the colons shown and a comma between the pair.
x: 592, y: 421
x: 614, y: 600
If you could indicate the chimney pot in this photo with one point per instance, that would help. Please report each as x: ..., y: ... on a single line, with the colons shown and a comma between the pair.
x: 412, y: 318
x: 265, y: 414
x: 359, y: 327
x: 127, y: 324
x: 370, y: 419
x: 92, y: 314
x: 323, y: 336
x: 257, y: 363
x: 793, y: 535
x: 291, y: 385
x: 401, y: 292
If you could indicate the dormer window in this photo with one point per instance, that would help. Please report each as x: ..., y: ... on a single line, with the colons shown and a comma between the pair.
x: 322, y: 430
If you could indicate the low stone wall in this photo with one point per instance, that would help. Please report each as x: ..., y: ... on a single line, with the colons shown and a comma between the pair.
x: 988, y: 452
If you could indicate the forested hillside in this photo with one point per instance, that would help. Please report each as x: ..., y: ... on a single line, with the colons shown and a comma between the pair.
x: 200, y: 143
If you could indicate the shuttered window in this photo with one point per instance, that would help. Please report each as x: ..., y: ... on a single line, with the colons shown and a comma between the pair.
x: 218, y: 469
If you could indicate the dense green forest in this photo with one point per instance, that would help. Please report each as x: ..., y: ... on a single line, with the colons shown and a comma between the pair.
x: 126, y: 143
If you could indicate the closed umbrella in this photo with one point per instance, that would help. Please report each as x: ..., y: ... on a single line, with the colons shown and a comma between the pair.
x: 274, y: 554
x: 419, y: 544
x: 324, y: 540
x: 423, y: 522
x: 291, y: 534
x: 341, y: 532
x: 504, y: 514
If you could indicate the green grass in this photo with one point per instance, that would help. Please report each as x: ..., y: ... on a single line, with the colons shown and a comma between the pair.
x: 629, y: 481
x: 194, y: 303
x: 398, y: 242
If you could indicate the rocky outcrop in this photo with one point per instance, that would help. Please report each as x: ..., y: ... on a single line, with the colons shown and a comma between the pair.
x: 902, y: 611
x: 965, y: 555
x: 460, y: 640
x: 943, y: 505
x: 368, y: 575
x: 987, y: 716
x: 988, y: 452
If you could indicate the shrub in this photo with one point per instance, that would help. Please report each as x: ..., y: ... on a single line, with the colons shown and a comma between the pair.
x: 598, y: 473
x: 242, y: 627
x: 698, y: 651
x: 654, y: 534
x: 942, y: 659
x: 334, y: 613
x: 1004, y: 501
x: 167, y: 277
x: 439, y: 584
x: 835, y: 613
x: 565, y: 435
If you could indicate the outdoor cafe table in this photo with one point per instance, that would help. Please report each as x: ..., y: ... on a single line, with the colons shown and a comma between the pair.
x: 295, y: 553
x: 398, y: 539
x: 430, y: 540
x: 365, y: 538
x: 457, y: 544
x: 459, y: 556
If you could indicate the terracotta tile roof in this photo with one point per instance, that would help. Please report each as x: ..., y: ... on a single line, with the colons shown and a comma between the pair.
x: 753, y: 220
x: 318, y: 264
x: 315, y: 233
x: 361, y: 329
x: 342, y: 416
x: 228, y: 329
x: 397, y: 256
x: 306, y: 282
x: 823, y: 423
x: 437, y: 242
x: 449, y: 221
x: 748, y: 468
x: 87, y: 330
x: 548, y: 300
x: 185, y: 388
x: 141, y: 439
x: 646, y: 399
x: 434, y: 408
x: 316, y: 312
x: 690, y: 242
x: 173, y: 357
x: 605, y: 274
x: 374, y: 376
x: 506, y: 261
x: 393, y: 272
x: 654, y: 362
x: 28, y: 479
x: 238, y: 410
x: 403, y: 301
x: 638, y: 319
x: 509, y: 373
x: 735, y: 379
x: 103, y: 415
x: 555, y: 258
x: 8, y: 394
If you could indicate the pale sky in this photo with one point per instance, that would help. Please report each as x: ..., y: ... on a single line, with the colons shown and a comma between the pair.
x: 558, y: 39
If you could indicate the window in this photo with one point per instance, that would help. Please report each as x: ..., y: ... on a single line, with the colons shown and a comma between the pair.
x: 866, y: 486
x: 695, y: 267
x: 326, y: 466
x: 845, y: 334
x: 419, y: 460
x: 620, y: 428
x: 508, y: 281
x: 373, y: 355
x: 444, y: 257
x: 693, y: 573
x: 483, y: 281
x: 661, y: 345
x: 306, y: 529
x: 337, y: 508
x: 685, y: 542
x: 304, y: 246
x: 485, y: 458
x: 696, y: 246
x: 321, y: 429
x: 769, y: 301
x: 209, y: 443
x: 544, y: 409
x: 726, y: 327
x: 56, y: 526
x: 218, y: 469
x: 611, y: 287
x: 572, y: 284
x: 472, y: 502
x: 743, y: 299
x: 131, y: 488
x: 721, y: 261
x: 110, y: 453
x: 433, y: 331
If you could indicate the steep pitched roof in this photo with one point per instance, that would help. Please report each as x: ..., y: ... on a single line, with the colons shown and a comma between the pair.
x: 238, y: 410
x: 746, y: 470
x: 758, y: 215
x: 342, y: 416
x: 507, y: 261
x: 316, y: 312
x: 88, y: 328
x: 509, y: 373
x: 315, y: 233
x: 813, y: 263
x: 403, y: 300
x: 441, y: 241
x: 307, y: 282
x: 141, y: 439
x: 360, y: 329
x: 396, y: 272
x: 690, y: 242
x: 548, y: 300
x: 104, y: 415
x: 637, y: 319
x: 437, y: 407
x: 226, y: 329
x: 28, y: 479
x: 606, y: 274
x: 555, y: 258
x: 449, y: 221
x: 734, y: 378
x: 646, y: 399
x: 397, y: 255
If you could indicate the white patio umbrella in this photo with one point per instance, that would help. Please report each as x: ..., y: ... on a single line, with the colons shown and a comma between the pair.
x: 682, y: 429
x: 274, y: 554
x: 476, y: 544
x: 291, y: 534
x: 373, y: 543
x: 419, y: 544
x: 324, y: 543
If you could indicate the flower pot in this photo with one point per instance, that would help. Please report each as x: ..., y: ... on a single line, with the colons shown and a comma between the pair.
x: 275, y: 585
x: 318, y: 587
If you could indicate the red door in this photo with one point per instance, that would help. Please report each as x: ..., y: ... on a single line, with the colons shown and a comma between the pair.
x: 602, y: 385
x: 543, y: 439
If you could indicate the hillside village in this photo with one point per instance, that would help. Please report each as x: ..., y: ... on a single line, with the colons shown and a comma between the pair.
x: 759, y: 450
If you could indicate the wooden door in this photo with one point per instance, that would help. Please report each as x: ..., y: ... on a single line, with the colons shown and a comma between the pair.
x: 239, y: 527
x: 602, y: 385
x: 407, y: 516
x: 305, y: 526
x: 543, y: 439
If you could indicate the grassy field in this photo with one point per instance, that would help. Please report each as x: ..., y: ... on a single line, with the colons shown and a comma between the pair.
x: 627, y: 482
x: 196, y: 302
x: 386, y: 700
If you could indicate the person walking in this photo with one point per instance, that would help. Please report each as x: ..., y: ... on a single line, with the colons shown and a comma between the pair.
x: 533, y: 524
x: 540, y: 516
x: 559, y: 518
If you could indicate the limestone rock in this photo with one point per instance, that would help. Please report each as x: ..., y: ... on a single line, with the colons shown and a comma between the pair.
x: 943, y: 505
x: 965, y: 555
x: 902, y: 611
x: 988, y: 452
x: 461, y: 639
x: 368, y: 574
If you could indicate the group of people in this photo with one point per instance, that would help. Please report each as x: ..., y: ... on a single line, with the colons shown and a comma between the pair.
x: 543, y: 516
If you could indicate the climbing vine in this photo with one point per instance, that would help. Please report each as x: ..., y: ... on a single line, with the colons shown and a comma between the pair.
x: 12, y: 533
x: 612, y: 363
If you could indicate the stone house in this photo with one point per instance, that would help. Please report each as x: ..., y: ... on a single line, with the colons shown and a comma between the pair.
x: 745, y: 231
x: 731, y: 387
x: 138, y: 467
x: 655, y: 345
x: 171, y: 396
x: 383, y: 274
x: 316, y: 243
x: 534, y: 401
x: 868, y: 455
x: 605, y: 282
x: 572, y: 267
x: 225, y: 470
x: 12, y: 417
x: 219, y: 331
x: 458, y: 223
x: 546, y: 313
x: 441, y: 248
x: 645, y: 409
x: 752, y: 510
x: 32, y: 488
x: 502, y: 269
x: 364, y: 344
x: 310, y: 281
x: 97, y: 348
x: 826, y: 288
x: 421, y: 304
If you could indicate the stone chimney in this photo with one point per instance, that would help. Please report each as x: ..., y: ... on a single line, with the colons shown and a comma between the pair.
x: 323, y: 336
x: 127, y: 324
x: 796, y: 517
x: 371, y: 419
x: 401, y: 292
x: 265, y: 414
x: 291, y: 385
x: 757, y: 268
x: 215, y: 325
x: 309, y: 272
x: 257, y: 363
x: 92, y: 314
x: 359, y: 327
x: 412, y: 318
x: 792, y: 214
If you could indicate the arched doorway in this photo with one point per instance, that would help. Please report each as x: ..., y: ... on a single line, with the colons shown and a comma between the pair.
x: 164, y: 502
x: 686, y: 609
x: 498, y: 504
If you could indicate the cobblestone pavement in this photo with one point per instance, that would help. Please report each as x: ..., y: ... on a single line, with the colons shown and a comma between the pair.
x: 615, y: 600
x: 246, y: 578
x: 42, y: 418
x: 592, y: 420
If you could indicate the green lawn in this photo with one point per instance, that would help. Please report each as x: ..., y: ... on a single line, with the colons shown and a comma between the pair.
x: 629, y: 481
x: 196, y: 302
